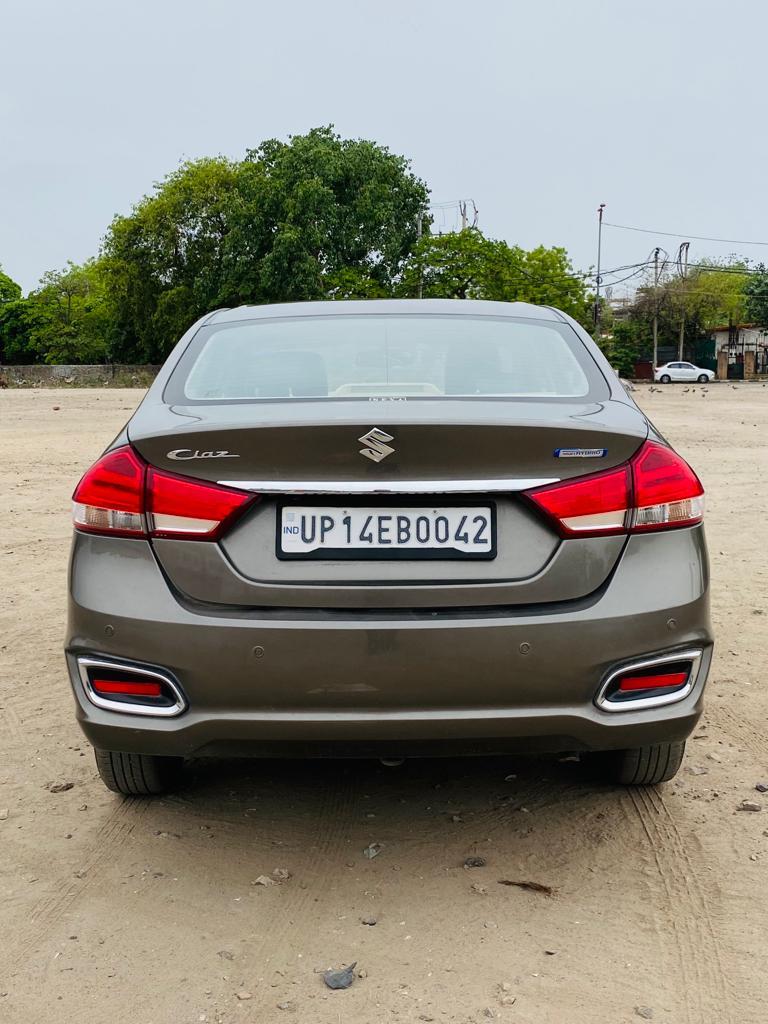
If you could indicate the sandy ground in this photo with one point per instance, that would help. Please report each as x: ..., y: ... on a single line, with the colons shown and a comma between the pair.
x: 146, y: 911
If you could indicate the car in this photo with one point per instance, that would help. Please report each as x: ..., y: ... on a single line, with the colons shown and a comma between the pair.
x: 680, y: 371
x: 387, y: 529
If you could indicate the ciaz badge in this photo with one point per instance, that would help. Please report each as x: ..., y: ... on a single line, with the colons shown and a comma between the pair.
x: 182, y: 454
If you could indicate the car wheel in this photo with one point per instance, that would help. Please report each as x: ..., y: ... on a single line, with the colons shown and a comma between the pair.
x: 702, y: 378
x: 665, y: 378
x: 137, y: 774
x: 643, y: 766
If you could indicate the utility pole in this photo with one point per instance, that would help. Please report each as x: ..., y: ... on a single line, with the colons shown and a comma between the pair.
x: 419, y: 222
x: 655, y: 306
x: 598, y: 310
x: 682, y: 262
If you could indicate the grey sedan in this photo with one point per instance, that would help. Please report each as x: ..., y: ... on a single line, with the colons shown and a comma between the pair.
x: 387, y: 529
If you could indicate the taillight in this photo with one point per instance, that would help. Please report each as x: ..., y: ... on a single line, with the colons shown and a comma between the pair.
x: 180, y: 507
x: 122, y: 496
x: 655, y: 490
x: 666, y: 490
x: 110, y: 497
x: 595, y: 504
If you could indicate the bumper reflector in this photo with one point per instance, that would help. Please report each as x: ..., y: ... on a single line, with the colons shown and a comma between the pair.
x: 122, y: 686
x: 658, y: 681
x: 651, y: 682
x: 130, y: 689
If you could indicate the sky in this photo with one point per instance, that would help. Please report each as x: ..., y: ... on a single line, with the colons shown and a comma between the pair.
x: 537, y: 111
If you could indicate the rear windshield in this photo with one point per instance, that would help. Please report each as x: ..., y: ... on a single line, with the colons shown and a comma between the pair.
x: 354, y: 357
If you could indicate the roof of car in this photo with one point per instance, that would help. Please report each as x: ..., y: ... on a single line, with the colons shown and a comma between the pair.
x: 391, y: 307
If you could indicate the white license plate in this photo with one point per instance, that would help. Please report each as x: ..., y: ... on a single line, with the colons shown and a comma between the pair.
x: 322, y: 532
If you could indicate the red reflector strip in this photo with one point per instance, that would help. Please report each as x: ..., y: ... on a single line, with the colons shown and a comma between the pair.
x: 131, y: 689
x: 668, y: 680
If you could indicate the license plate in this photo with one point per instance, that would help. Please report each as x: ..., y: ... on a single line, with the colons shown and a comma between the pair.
x: 466, y: 531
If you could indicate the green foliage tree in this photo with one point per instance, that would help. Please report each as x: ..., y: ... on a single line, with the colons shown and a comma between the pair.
x: 710, y: 295
x: 315, y: 217
x: 9, y: 290
x: 756, y: 296
x: 467, y: 265
x: 68, y: 316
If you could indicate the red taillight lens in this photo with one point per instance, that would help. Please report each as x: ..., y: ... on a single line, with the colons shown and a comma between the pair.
x: 122, y: 496
x: 655, y: 490
x: 127, y: 688
x: 110, y: 497
x: 180, y: 507
x: 666, y: 490
x: 595, y: 504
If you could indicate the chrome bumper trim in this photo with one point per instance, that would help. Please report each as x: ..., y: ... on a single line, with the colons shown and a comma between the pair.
x: 693, y: 655
x: 84, y: 663
x: 387, y: 486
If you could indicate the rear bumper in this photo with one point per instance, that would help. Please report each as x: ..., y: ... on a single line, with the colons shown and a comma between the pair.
x: 303, y: 681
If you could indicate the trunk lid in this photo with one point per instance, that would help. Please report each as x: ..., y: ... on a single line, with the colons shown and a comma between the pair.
x: 481, y: 452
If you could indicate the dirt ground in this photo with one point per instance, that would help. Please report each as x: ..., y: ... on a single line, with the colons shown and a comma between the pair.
x: 146, y: 910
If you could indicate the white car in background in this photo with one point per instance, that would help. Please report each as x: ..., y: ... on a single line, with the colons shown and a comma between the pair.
x: 682, y: 371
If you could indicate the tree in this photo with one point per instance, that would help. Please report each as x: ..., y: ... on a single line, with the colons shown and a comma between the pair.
x: 68, y: 315
x: 689, y: 307
x: 467, y: 265
x: 315, y: 217
x: 756, y: 296
x: 9, y: 290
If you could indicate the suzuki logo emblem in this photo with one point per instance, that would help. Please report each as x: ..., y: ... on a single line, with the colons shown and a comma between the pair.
x: 378, y: 448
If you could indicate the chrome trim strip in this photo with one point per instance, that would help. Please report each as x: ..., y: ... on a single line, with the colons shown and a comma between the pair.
x: 84, y: 663
x: 387, y: 486
x: 692, y: 655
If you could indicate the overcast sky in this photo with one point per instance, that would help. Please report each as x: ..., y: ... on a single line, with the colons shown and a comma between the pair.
x: 538, y: 111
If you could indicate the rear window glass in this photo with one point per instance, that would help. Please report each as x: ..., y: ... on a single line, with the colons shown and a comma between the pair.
x: 354, y: 357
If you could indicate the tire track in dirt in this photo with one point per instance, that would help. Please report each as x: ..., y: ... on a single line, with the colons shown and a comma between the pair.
x: 707, y: 993
x: 738, y: 727
x: 300, y: 906
x: 66, y: 891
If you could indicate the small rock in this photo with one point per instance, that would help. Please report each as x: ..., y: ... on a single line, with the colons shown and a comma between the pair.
x: 550, y: 952
x: 3, y: 813
x: 281, y: 874
x: 226, y: 954
x: 372, y: 850
x: 474, y: 862
x: 749, y: 805
x: 715, y: 757
x: 56, y: 408
x: 341, y: 978
x: 510, y: 778
x: 242, y: 996
x: 370, y: 921
x: 488, y: 1012
x: 480, y: 890
x: 287, y: 1005
x: 644, y: 1011
x: 697, y: 769
x: 762, y: 787
x: 264, y: 880
x: 59, y: 787
x: 456, y: 819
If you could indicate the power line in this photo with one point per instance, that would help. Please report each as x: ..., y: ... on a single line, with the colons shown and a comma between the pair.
x: 683, y: 234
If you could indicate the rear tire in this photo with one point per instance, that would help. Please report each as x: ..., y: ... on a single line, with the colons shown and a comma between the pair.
x: 703, y: 378
x: 665, y: 379
x: 137, y: 774
x: 643, y: 766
